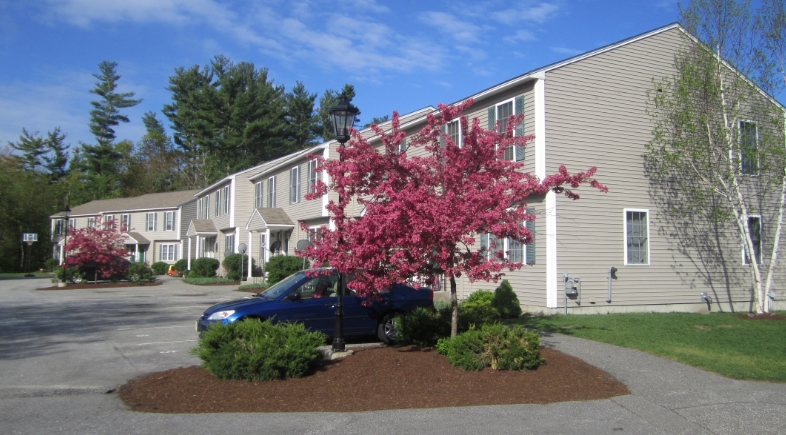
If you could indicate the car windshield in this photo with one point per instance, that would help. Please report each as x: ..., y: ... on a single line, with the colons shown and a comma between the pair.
x: 282, y: 286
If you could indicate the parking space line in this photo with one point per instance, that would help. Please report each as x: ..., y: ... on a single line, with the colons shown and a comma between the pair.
x: 155, y: 327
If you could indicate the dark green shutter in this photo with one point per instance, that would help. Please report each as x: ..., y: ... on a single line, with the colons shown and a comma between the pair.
x: 402, y: 147
x: 442, y: 130
x: 492, y: 117
x: 531, y: 247
x: 519, y: 109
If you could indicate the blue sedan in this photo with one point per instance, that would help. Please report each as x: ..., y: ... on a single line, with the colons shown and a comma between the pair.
x: 310, y: 297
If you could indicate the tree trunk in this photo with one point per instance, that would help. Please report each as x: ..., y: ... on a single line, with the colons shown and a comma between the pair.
x: 454, y: 306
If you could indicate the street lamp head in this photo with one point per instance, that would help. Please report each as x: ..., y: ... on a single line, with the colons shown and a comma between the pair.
x: 66, y: 210
x: 342, y: 118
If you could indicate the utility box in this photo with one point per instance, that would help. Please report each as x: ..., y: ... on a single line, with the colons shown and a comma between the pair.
x: 572, y: 285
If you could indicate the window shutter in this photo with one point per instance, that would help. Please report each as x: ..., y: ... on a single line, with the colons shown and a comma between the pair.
x: 402, y: 147
x: 155, y: 221
x: 531, y: 247
x: 492, y: 117
x: 442, y: 130
x: 520, y: 150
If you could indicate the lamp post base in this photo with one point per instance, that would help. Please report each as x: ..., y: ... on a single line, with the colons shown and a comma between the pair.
x: 339, y: 345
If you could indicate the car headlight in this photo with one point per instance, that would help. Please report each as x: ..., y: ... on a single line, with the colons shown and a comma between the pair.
x: 221, y: 315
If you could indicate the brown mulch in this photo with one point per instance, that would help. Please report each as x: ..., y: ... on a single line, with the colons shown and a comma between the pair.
x: 374, y: 379
x: 101, y: 285
x: 764, y: 316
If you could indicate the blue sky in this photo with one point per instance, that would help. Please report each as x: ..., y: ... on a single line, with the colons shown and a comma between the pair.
x: 401, y: 55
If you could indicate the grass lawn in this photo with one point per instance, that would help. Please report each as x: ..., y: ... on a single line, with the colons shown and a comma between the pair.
x: 22, y: 274
x: 718, y: 342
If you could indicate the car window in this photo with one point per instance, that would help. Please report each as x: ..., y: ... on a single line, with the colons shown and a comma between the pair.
x: 282, y: 286
x: 323, y: 286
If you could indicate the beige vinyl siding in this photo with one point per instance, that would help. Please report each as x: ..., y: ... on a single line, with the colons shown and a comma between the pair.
x: 595, y: 116
x: 156, y: 237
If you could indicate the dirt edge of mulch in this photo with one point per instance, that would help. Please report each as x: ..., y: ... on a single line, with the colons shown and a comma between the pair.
x: 763, y: 316
x: 101, y: 285
x: 373, y: 379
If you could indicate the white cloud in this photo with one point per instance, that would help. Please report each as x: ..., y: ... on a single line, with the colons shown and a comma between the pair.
x: 568, y: 51
x: 521, y: 36
x: 463, y: 31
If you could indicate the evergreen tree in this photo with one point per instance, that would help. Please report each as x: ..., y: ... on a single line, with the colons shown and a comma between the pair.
x: 57, y: 157
x: 301, y: 119
x: 32, y: 147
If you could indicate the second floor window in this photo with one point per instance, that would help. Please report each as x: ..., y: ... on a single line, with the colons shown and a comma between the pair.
x: 169, y: 221
x: 226, y: 200
x: 500, y: 113
x: 258, y: 192
x: 271, y: 192
x: 59, y: 225
x: 313, y: 175
x: 218, y: 203
x: 749, y: 148
x: 91, y: 222
x: 294, y: 185
x: 109, y: 222
x: 125, y: 222
x: 151, y: 221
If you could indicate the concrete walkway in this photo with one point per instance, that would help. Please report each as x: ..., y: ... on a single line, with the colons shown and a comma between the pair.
x: 55, y: 370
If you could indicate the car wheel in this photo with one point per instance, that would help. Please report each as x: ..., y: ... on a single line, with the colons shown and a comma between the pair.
x: 386, y: 331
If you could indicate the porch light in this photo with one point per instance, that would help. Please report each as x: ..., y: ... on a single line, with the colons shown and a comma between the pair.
x: 342, y: 118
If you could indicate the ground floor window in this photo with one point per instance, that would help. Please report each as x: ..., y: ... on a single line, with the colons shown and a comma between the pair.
x: 168, y: 252
x: 754, y: 227
x: 637, y: 246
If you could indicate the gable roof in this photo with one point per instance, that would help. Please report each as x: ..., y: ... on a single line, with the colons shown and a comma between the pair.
x: 150, y: 201
x: 269, y: 218
x: 201, y: 227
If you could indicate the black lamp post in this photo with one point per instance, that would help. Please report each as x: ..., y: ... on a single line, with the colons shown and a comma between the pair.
x: 342, y: 118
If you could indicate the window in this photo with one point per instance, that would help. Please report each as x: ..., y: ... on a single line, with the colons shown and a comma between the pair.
x: 200, y: 206
x: 754, y: 226
x: 402, y: 147
x: 490, y: 245
x: 59, y: 224
x: 91, y: 222
x: 453, y: 131
x: 109, y: 222
x: 313, y: 175
x: 314, y: 234
x: 168, y: 253
x: 125, y: 222
x: 169, y: 221
x: 530, y: 249
x: 151, y: 221
x: 637, y: 237
x: 749, y: 148
x: 226, y: 200
x: 258, y: 195
x: 71, y: 225
x: 271, y: 192
x: 294, y: 185
x: 501, y: 112
x: 229, y: 242
x: 217, y: 212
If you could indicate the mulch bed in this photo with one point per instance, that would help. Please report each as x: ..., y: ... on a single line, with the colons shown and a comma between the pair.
x: 101, y: 285
x: 374, y: 379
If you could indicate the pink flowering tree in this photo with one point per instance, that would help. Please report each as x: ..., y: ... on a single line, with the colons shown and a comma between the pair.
x: 426, y: 204
x: 100, y: 247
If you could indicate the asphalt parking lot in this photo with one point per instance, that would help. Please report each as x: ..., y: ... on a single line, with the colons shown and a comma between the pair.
x: 62, y: 353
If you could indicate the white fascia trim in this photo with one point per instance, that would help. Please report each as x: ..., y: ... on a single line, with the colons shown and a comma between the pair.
x: 326, y: 180
x: 540, y: 127
x: 288, y: 160
x: 552, y: 276
x: 625, y: 237
x: 232, y: 204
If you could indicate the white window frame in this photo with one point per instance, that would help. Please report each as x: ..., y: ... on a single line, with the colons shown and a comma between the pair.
x: 459, y: 140
x: 740, y: 150
x: 91, y: 222
x: 59, y: 225
x: 625, y: 236
x: 258, y: 194
x: 125, y: 222
x: 217, y: 211
x: 167, y: 252
x: 229, y: 241
x: 314, y: 233
x: 151, y: 224
x: 107, y: 218
x: 169, y: 221
x: 294, y: 185
x: 761, y: 244
x: 71, y: 225
x: 271, y: 192
x: 313, y: 175
x: 226, y: 200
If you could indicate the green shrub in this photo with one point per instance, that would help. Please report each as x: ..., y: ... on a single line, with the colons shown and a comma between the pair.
x: 185, y: 273
x: 259, y: 351
x: 51, y: 264
x: 506, y: 302
x: 181, y: 265
x: 204, y: 267
x: 423, y: 326
x: 196, y: 280
x: 281, y: 266
x: 233, y: 263
x: 138, y: 273
x: 258, y: 286
x: 493, y: 345
x: 159, y: 268
x: 69, y: 275
x: 477, y: 309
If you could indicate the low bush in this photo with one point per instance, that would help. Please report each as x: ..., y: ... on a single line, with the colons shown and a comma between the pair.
x: 204, y: 267
x: 69, y: 275
x: 506, y: 302
x: 138, y: 273
x: 477, y: 309
x: 257, y: 286
x: 198, y: 280
x: 235, y: 263
x: 51, y: 264
x: 492, y: 345
x: 159, y: 268
x: 281, y: 266
x: 181, y: 265
x: 423, y: 326
x: 256, y: 350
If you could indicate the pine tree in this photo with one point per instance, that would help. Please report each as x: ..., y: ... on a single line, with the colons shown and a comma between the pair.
x: 57, y: 156
x: 301, y: 119
x: 32, y: 147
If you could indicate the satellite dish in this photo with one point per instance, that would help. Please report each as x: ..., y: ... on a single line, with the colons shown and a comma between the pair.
x: 302, y: 245
x: 241, y: 248
x: 228, y: 251
x: 275, y: 246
